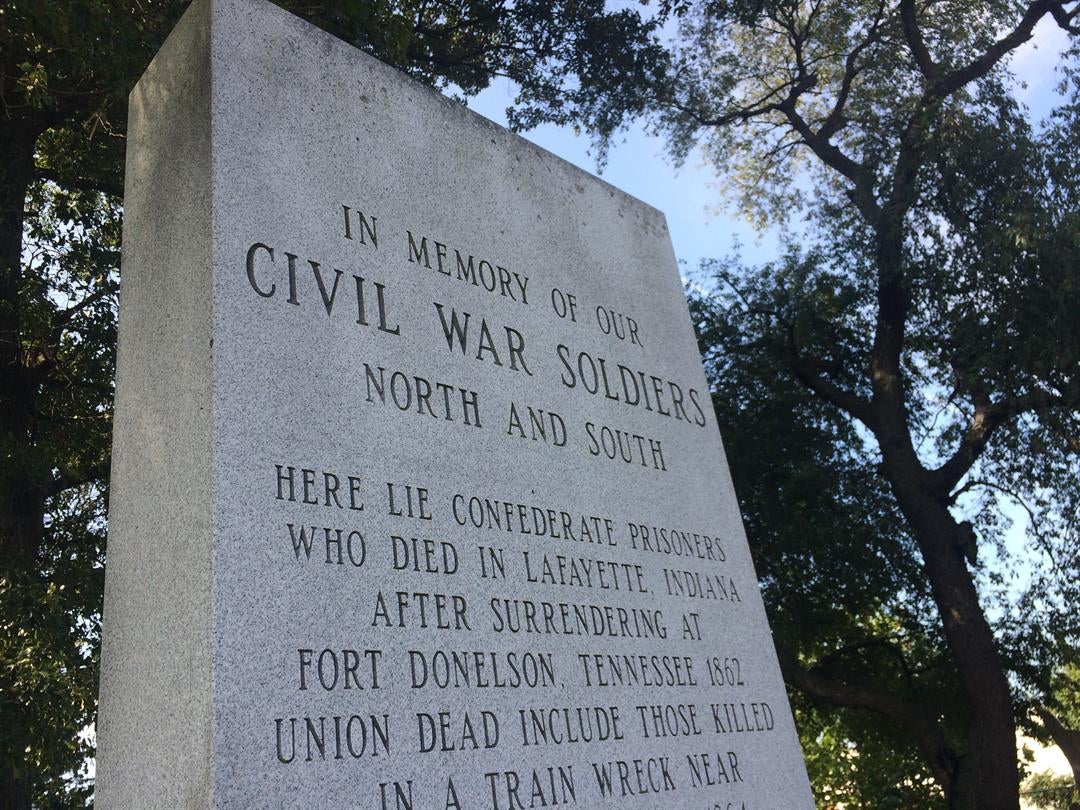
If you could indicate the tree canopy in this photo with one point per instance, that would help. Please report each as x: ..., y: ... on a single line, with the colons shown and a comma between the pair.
x: 907, y: 375
x: 66, y: 67
x: 908, y: 367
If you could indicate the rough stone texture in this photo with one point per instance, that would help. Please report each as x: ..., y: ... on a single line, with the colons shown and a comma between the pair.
x: 154, y: 728
x: 251, y: 127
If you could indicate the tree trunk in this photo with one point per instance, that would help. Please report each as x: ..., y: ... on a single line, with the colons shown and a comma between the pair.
x: 14, y: 790
x: 20, y: 511
x: 1067, y: 739
x: 21, y: 492
x: 986, y: 775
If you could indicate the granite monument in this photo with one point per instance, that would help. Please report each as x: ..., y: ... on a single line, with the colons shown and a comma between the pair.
x: 418, y: 500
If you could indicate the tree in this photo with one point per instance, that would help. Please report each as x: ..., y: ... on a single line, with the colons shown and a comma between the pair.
x: 846, y: 596
x: 1059, y: 714
x: 856, y: 764
x: 1048, y: 792
x: 926, y: 313
x: 66, y: 67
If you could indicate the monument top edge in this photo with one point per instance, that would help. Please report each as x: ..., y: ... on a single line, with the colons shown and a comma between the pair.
x: 201, y: 13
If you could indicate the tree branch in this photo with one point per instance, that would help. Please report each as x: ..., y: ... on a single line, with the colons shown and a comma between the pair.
x: 889, y: 645
x: 848, y: 694
x: 1065, y: 19
x: 63, y: 318
x: 915, y: 40
x: 806, y: 370
x: 979, y: 67
x: 69, y: 477
x: 987, y: 419
x: 80, y: 183
x: 893, y: 298
x: 1067, y: 739
x: 1072, y: 441
x: 826, y: 150
x: 761, y: 107
x: 43, y: 361
x: 835, y: 120
x: 983, y: 424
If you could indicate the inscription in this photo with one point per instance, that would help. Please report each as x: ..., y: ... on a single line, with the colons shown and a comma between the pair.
x: 457, y: 589
x: 264, y: 274
x: 466, y: 268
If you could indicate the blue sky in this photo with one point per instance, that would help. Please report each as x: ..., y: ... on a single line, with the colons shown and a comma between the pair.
x: 703, y: 226
x: 691, y: 196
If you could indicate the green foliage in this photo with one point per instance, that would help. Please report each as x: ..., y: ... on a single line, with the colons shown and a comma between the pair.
x: 1064, y: 695
x: 816, y: 111
x: 858, y: 764
x: 48, y: 648
x: 818, y: 513
x: 840, y: 573
x: 1049, y: 792
x: 66, y: 67
x: 49, y: 640
x: 905, y: 378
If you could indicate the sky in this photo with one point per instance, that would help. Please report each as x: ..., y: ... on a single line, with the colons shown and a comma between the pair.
x: 703, y: 226
x: 691, y: 197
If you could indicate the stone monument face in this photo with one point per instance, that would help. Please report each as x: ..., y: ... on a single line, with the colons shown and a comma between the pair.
x: 418, y: 497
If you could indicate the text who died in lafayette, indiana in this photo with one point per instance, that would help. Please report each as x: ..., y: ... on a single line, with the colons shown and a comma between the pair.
x: 625, y: 578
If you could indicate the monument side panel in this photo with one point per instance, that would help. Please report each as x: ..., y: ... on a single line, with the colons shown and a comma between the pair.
x: 154, y: 733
